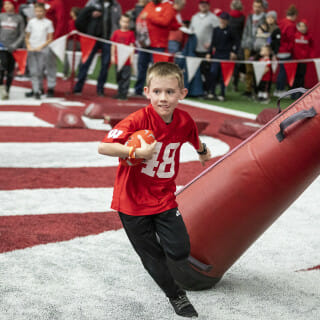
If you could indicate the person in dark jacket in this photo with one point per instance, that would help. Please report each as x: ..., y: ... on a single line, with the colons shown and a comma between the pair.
x: 100, y: 19
x: 223, y: 46
x: 236, y: 24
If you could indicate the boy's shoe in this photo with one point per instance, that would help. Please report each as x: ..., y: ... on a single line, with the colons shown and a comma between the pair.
x: 50, y: 93
x: 221, y: 98
x: 37, y: 95
x: 210, y: 96
x: 183, y: 307
x: 29, y: 94
x: 247, y: 94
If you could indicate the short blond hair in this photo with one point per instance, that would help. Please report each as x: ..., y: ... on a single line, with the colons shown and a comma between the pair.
x: 165, y: 69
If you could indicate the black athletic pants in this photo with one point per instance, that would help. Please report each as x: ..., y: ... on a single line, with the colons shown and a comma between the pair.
x: 7, y: 63
x: 174, y: 243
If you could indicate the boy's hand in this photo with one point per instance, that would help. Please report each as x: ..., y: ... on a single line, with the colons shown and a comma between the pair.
x: 113, y: 60
x: 146, y: 151
x: 203, y: 158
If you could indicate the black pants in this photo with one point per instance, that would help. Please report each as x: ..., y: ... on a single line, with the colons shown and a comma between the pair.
x: 123, y: 80
x: 174, y: 244
x: 7, y: 63
x: 205, y: 67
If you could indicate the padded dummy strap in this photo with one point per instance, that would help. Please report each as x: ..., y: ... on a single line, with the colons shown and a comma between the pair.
x: 304, y: 114
x: 289, y: 93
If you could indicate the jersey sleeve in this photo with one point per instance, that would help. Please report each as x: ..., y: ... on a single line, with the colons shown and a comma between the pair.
x: 193, y: 136
x: 122, y: 130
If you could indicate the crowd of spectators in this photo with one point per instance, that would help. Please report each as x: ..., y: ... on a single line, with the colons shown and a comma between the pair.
x: 157, y: 26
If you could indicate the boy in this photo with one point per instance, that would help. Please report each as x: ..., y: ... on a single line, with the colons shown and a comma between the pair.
x: 265, y: 83
x: 223, y: 46
x: 39, y: 34
x: 124, y: 36
x: 302, y: 49
x: 11, y: 37
x: 144, y: 195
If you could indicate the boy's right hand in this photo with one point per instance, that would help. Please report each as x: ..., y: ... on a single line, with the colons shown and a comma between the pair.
x: 146, y: 151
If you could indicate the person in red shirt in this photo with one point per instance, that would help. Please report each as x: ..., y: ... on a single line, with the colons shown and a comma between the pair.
x: 288, y: 29
x: 144, y: 195
x: 302, y: 49
x: 161, y: 18
x: 125, y: 36
x: 265, y: 82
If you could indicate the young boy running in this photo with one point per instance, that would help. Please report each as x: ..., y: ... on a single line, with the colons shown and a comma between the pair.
x: 144, y: 195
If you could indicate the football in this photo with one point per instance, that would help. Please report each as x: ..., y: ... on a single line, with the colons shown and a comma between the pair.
x: 133, y: 141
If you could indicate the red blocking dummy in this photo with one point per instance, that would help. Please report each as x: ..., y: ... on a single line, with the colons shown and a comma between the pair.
x: 235, y: 200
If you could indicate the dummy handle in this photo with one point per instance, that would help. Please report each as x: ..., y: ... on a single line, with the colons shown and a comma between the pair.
x: 304, y: 114
x: 289, y: 93
x: 199, y: 265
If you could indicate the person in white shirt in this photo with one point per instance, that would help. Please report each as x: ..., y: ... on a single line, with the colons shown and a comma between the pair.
x: 39, y: 34
x: 202, y: 25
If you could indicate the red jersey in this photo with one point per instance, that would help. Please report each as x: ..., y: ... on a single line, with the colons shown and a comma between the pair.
x: 124, y: 37
x: 288, y: 30
x: 149, y: 188
x: 160, y: 20
x: 268, y: 75
x: 303, y: 46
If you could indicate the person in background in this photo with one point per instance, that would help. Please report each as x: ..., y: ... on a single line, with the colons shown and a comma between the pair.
x: 288, y: 30
x: 99, y: 19
x: 39, y: 34
x: 160, y: 17
x: 134, y: 13
x: 125, y: 36
x: 236, y: 24
x: 303, y: 48
x: 11, y: 38
x: 74, y: 12
x: 202, y: 25
x: 177, y: 37
x: 266, y: 80
x: 223, y: 46
x: 247, y: 42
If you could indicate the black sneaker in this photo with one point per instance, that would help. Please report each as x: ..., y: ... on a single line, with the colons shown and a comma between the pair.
x: 37, y: 95
x: 50, y: 93
x: 29, y: 94
x: 183, y: 307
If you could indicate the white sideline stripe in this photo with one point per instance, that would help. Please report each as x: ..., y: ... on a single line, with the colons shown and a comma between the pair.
x: 50, y: 201
x: 80, y: 154
x: 28, y: 119
x: 55, y: 201
x: 21, y: 119
x: 219, y: 109
x: 17, y: 95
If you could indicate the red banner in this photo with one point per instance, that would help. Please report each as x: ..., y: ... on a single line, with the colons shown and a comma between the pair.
x: 87, y: 45
x: 21, y: 58
x: 227, y: 71
x: 291, y: 69
x: 162, y: 58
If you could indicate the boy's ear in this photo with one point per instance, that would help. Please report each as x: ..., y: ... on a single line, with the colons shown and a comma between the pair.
x: 146, y: 92
x: 184, y: 93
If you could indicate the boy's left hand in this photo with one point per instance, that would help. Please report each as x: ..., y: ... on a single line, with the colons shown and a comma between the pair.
x: 203, y: 158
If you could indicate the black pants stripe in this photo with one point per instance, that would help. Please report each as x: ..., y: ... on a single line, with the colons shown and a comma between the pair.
x: 174, y: 243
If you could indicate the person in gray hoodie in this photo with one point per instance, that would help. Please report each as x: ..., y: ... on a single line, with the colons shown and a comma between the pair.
x: 11, y: 38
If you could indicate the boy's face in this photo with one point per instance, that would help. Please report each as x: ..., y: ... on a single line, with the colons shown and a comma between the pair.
x: 302, y: 27
x: 264, y: 52
x: 223, y: 23
x: 8, y: 6
x: 39, y: 13
x: 124, y: 23
x: 270, y: 20
x: 204, y: 7
x: 164, y: 94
